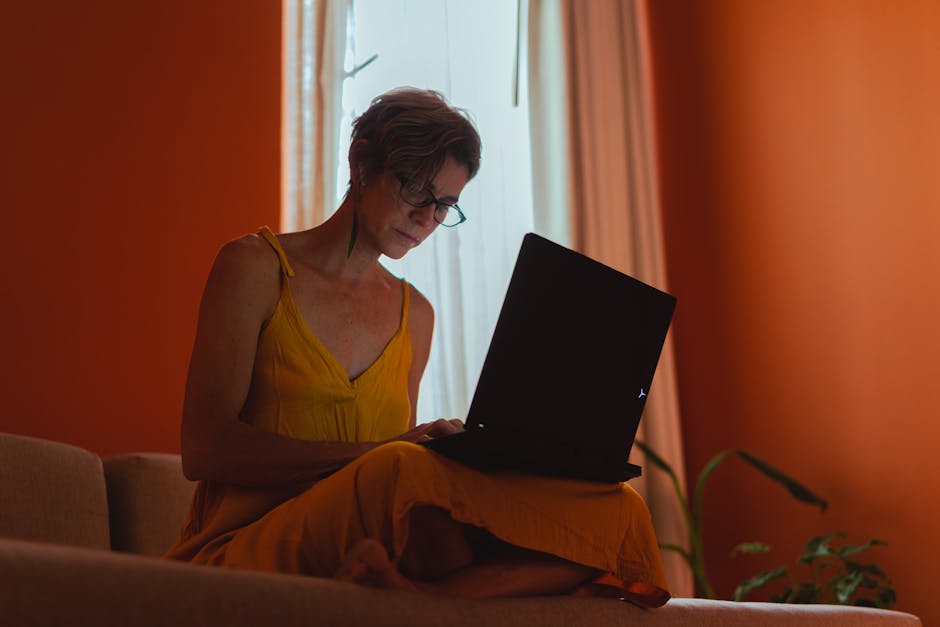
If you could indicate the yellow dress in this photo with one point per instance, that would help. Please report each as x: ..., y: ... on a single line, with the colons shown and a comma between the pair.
x: 298, y: 389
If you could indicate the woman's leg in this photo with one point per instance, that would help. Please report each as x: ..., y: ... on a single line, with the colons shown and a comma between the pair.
x: 511, y: 573
x: 448, y: 558
x: 437, y: 544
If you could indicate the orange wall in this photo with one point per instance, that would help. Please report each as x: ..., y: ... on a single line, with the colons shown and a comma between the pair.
x: 800, y: 159
x: 138, y: 136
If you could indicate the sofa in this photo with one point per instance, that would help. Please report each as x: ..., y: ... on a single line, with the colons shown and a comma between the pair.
x: 80, y: 539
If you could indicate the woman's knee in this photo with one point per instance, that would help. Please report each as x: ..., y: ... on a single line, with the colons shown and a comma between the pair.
x: 631, y: 501
x: 392, y: 454
x: 389, y: 461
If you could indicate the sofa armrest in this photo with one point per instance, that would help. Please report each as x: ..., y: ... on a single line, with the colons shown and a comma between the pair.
x: 148, y: 499
x: 52, y: 492
x: 49, y: 585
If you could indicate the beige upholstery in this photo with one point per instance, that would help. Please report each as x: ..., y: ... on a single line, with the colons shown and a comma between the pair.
x: 101, y: 589
x: 55, y: 493
x: 52, y: 492
x: 148, y: 497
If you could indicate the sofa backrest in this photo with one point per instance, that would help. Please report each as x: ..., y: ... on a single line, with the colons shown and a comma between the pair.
x: 52, y: 492
x: 149, y: 497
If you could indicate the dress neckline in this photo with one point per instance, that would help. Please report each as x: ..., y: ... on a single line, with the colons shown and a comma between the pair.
x: 306, y: 330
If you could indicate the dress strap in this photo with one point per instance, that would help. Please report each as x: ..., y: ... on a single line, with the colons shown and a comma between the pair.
x: 269, y: 236
x: 405, y: 291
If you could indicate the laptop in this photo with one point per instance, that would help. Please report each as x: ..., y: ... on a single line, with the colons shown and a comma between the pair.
x: 568, y: 370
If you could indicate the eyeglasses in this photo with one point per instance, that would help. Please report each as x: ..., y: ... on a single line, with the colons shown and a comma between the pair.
x: 445, y: 213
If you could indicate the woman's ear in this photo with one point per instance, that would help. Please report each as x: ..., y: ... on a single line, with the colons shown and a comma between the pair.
x: 357, y: 162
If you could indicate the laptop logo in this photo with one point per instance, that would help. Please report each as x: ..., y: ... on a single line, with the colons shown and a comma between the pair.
x: 642, y: 393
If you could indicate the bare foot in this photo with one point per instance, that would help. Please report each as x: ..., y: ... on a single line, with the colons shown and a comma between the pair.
x: 598, y: 590
x: 367, y: 564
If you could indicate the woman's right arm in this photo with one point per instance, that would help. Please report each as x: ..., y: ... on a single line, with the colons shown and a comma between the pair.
x: 240, y: 295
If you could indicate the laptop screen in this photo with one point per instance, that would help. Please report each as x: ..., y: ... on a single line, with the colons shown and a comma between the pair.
x: 574, y: 351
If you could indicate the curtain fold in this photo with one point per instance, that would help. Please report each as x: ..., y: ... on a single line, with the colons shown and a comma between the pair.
x: 610, y: 204
x: 548, y: 122
x: 313, y: 57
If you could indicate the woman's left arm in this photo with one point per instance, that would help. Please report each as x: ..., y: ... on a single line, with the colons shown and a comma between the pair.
x: 421, y: 330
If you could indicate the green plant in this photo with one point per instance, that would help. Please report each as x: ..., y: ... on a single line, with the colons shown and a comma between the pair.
x: 835, y: 578
x: 692, y: 510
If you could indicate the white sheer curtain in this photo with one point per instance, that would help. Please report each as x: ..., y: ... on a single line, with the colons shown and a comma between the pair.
x: 467, y: 50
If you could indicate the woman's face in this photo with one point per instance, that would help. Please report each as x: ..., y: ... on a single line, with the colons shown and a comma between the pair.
x: 392, y: 226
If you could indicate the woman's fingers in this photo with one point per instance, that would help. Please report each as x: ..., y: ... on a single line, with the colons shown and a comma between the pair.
x: 430, y: 430
x: 443, y: 426
x: 418, y: 434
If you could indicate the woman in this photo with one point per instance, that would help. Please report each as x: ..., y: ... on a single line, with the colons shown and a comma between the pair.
x: 300, y: 413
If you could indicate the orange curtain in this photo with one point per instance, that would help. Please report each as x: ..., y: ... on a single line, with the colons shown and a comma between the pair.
x: 610, y: 199
x: 313, y: 48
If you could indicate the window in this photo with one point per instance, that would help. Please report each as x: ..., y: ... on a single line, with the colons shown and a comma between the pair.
x: 467, y: 50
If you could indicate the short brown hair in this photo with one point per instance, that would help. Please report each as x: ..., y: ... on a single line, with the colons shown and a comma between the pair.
x: 410, y: 132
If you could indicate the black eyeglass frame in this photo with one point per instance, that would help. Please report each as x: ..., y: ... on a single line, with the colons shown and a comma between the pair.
x: 438, y: 204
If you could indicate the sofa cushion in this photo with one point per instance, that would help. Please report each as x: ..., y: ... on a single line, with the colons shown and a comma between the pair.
x: 52, y: 492
x: 149, y: 498
x: 49, y: 586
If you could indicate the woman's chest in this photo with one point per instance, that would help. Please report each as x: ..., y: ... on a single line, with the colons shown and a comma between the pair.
x: 353, y: 325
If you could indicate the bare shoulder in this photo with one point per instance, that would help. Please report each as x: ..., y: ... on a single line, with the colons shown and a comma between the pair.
x: 248, y: 257
x: 419, y: 306
x: 246, y: 269
x: 249, y: 254
x: 420, y: 311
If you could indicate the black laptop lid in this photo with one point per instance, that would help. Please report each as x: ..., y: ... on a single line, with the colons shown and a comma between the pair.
x: 574, y: 352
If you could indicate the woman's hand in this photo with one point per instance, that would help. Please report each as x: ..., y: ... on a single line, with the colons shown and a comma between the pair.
x: 444, y: 426
x: 432, y: 430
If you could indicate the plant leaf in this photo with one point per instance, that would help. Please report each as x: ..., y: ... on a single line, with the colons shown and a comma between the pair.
x: 758, y: 580
x: 812, y: 545
x: 818, y: 546
x: 695, y: 555
x: 663, y: 465
x: 675, y: 548
x: 703, y: 476
x: 750, y: 547
x: 807, y: 592
x: 783, y: 596
x: 797, y: 489
x: 848, y: 550
x: 845, y: 587
x: 653, y: 458
x: 864, y: 568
